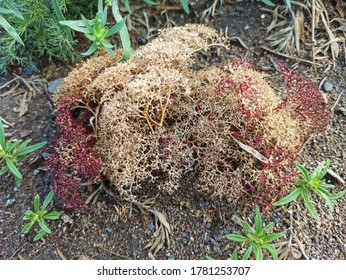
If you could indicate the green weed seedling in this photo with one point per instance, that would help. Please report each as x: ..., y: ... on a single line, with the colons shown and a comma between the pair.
x: 257, y: 239
x: 13, y: 152
x: 314, y: 183
x: 40, y: 216
x: 96, y: 30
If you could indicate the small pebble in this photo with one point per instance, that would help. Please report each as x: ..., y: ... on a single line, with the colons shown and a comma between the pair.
x: 327, y: 86
x: 263, y: 16
x: 151, y: 228
x: 171, y: 258
x: 206, y: 204
x: 246, y: 27
x: 208, y: 225
x: 109, y: 230
x: 9, y: 202
x: 53, y: 85
x: 31, y: 69
x: 239, y: 9
x: 36, y: 171
x: 143, y: 40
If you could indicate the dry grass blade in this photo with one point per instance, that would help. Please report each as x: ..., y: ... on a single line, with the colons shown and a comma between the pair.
x: 5, y: 123
x: 161, y: 235
x: 301, y: 246
x: 322, y: 14
x: 21, y: 257
x: 61, y: 255
x: 336, y: 176
x: 23, y: 103
x: 33, y: 86
x: 94, y: 194
x: 289, y: 56
x: 299, y: 28
x: 252, y: 151
x: 342, y: 23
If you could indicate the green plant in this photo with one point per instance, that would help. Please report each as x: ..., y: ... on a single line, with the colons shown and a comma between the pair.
x: 7, y: 7
x: 315, y: 183
x: 40, y: 31
x: 40, y: 216
x: 13, y: 152
x: 96, y: 30
x: 258, y: 238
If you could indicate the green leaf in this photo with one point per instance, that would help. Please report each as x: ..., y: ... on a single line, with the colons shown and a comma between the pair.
x: 106, y: 44
x: 127, y: 6
x: 52, y: 216
x: 308, y: 204
x: 104, y: 17
x: 271, y: 250
x: 44, y: 226
x: 99, y: 6
x: 61, y: 17
x: 91, y: 37
x: 288, y: 4
x: 37, y: 203
x: 209, y: 258
x: 76, y: 25
x: 22, y: 147
x: 272, y: 236
x: 29, y: 215
x: 2, y: 136
x: 31, y: 148
x: 337, y: 195
x: 258, y: 221
x: 326, y: 195
x: 246, y: 228
x: 13, y: 9
x: 91, y: 50
x: 185, y: 6
x: 116, y: 28
x: 258, y: 252
x: 5, y: 11
x: 10, y: 147
x: 18, y: 181
x: 39, y: 235
x: 29, y: 212
x: 304, y: 172
x: 324, y: 170
x: 123, y: 32
x: 236, y: 237
x: 27, y: 227
x: 109, y: 51
x: 290, y: 197
x: 318, y: 170
x: 149, y: 2
x: 4, y: 170
x: 267, y: 228
x: 328, y: 186
x: 47, y: 200
x: 13, y: 169
x: 269, y: 3
x: 234, y: 255
x: 87, y: 25
x: 248, y: 253
x: 10, y: 30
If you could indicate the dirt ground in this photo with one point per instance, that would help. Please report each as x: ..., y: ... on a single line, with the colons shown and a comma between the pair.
x: 113, y: 229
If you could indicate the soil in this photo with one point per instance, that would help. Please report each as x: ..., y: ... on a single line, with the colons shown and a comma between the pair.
x: 115, y: 229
